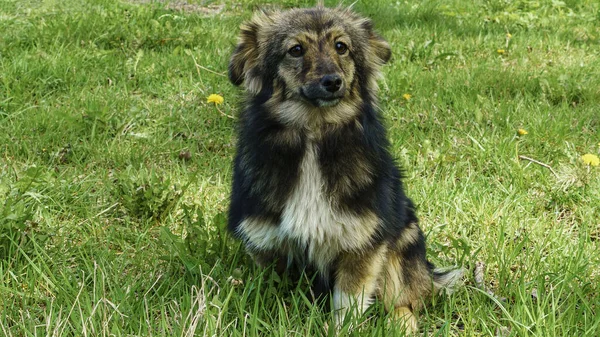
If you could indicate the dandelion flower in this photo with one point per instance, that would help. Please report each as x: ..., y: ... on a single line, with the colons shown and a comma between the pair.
x: 522, y: 132
x: 501, y: 51
x: 407, y: 97
x: 508, y: 35
x: 214, y: 98
x: 217, y: 99
x: 590, y: 159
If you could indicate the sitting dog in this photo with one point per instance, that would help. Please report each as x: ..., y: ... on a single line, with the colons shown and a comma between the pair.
x: 314, y: 183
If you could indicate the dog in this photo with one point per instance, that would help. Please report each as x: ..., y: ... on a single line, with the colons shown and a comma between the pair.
x: 314, y: 183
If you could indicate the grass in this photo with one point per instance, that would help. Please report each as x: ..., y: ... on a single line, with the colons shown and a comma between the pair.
x: 115, y: 172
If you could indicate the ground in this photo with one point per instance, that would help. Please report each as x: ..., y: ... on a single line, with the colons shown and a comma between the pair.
x: 115, y: 170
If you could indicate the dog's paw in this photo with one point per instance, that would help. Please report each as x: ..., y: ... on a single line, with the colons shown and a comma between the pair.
x: 404, y: 317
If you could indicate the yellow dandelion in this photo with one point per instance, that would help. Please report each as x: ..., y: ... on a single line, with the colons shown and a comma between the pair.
x: 590, y: 159
x: 407, y: 97
x: 214, y: 98
x: 508, y: 35
x: 522, y: 132
x: 501, y: 51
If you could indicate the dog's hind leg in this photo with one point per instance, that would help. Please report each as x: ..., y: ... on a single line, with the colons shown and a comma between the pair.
x: 403, y: 284
x: 406, y: 278
x: 356, y: 279
x: 406, y: 318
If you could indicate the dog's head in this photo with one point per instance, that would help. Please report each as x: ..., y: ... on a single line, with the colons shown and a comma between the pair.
x: 318, y: 57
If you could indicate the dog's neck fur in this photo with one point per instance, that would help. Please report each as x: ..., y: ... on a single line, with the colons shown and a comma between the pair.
x: 296, y: 113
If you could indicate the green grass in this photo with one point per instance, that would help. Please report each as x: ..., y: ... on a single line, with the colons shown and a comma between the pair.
x: 115, y: 172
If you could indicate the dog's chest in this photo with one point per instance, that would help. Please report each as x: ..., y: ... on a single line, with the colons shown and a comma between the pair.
x: 312, y: 223
x: 308, y: 215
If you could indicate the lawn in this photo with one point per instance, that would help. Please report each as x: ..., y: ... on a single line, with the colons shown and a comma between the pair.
x: 115, y: 171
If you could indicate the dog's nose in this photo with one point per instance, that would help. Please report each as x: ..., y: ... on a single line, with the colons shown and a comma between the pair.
x: 331, y: 83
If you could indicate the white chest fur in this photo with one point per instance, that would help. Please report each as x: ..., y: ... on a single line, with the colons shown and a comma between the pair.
x: 310, y: 222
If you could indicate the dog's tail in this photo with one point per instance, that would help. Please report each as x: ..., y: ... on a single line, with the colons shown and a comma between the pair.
x: 447, y: 280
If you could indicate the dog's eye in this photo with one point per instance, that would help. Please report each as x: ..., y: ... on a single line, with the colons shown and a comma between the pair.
x: 296, y: 51
x: 341, y: 48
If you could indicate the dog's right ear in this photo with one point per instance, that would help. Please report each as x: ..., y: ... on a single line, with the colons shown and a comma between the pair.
x: 379, y: 47
x: 244, y: 65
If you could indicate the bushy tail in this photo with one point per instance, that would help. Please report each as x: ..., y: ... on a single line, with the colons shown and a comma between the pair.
x: 447, y: 279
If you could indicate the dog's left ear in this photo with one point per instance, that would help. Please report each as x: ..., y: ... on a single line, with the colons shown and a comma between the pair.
x: 244, y: 65
x: 379, y: 47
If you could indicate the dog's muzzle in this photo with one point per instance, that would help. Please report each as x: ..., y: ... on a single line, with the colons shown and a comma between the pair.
x: 328, y: 91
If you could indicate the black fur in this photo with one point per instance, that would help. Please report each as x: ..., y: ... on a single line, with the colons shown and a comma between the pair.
x: 263, y: 167
x: 359, y: 177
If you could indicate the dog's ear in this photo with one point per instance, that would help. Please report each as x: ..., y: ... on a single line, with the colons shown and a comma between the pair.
x: 244, y: 65
x: 379, y: 47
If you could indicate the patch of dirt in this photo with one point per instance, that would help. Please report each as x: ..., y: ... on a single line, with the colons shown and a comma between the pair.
x: 184, y: 6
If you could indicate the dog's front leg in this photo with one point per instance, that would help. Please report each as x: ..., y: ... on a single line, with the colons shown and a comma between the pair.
x: 265, y: 259
x: 356, y: 280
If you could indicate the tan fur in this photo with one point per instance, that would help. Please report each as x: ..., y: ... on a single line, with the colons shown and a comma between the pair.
x: 356, y: 281
x: 303, y: 116
x: 395, y: 292
x: 312, y: 225
x: 248, y: 62
x: 405, y: 317
x: 411, y: 235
